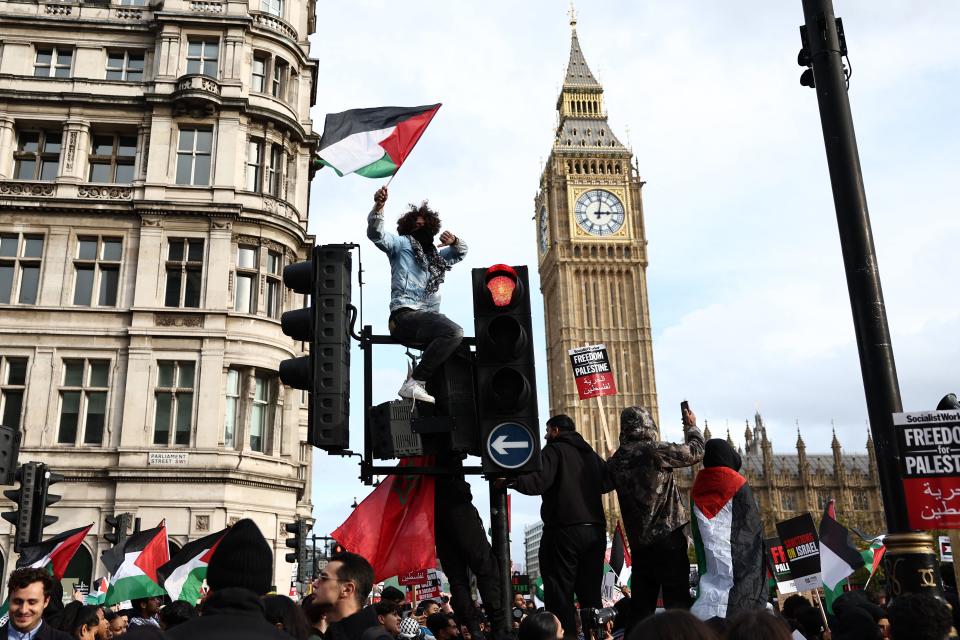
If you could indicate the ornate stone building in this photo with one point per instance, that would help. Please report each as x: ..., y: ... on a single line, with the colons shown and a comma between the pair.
x: 593, y: 255
x: 154, y: 173
x: 787, y: 485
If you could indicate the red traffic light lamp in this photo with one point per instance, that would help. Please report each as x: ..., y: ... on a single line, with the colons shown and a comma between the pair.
x: 501, y: 282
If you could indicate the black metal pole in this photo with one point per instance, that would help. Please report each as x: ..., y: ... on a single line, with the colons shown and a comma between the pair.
x: 909, y: 562
x: 500, y: 532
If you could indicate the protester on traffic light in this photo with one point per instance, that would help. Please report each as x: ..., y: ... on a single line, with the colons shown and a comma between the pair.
x: 728, y: 536
x: 463, y: 547
x: 28, y: 594
x: 239, y: 572
x: 571, y: 481
x: 417, y: 270
x: 642, y: 471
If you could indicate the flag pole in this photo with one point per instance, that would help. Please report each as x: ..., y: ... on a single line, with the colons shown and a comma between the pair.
x: 823, y: 613
x: 606, y: 429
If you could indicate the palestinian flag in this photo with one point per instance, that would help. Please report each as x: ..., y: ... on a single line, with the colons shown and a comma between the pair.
x: 183, y: 576
x: 136, y: 577
x: 98, y: 591
x: 373, y: 142
x: 728, y: 539
x: 873, y: 556
x: 620, y: 555
x: 55, y: 553
x: 838, y: 558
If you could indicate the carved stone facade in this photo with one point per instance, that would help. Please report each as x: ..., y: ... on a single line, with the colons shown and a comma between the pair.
x: 788, y: 485
x: 155, y: 163
x: 593, y: 257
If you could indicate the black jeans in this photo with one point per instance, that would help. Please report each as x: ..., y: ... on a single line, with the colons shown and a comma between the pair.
x: 661, y: 565
x: 571, y: 562
x: 439, y: 335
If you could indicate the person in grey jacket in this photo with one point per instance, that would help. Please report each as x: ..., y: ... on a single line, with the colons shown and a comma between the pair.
x: 417, y: 269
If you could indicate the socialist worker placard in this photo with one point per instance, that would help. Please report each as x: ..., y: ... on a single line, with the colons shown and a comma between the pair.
x: 591, y: 370
x: 929, y: 443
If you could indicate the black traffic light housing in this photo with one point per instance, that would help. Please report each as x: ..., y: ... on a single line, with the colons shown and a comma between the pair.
x: 9, y: 453
x: 506, y: 377
x: 118, y: 524
x: 325, y: 372
x: 298, y: 542
x: 25, y: 500
x: 45, y: 478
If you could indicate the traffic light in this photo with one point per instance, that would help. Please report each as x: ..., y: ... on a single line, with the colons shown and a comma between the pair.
x: 506, y: 379
x: 118, y: 524
x: 22, y: 517
x: 325, y: 373
x: 298, y: 542
x: 9, y: 453
x: 45, y: 478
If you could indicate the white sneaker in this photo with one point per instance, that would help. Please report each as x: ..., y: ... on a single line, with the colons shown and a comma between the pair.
x: 415, y: 390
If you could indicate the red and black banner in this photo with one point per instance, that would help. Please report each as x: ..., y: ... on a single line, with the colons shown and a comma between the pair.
x: 929, y: 443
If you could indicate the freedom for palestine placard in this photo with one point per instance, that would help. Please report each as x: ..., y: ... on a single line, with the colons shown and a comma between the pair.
x: 929, y: 443
x: 591, y: 370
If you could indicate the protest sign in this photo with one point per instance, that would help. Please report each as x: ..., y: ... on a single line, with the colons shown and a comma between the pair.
x: 929, y: 443
x: 591, y: 370
x: 779, y: 566
x: 802, y: 548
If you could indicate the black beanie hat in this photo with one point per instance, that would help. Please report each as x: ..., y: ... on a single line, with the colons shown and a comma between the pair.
x: 242, y: 559
x: 719, y: 453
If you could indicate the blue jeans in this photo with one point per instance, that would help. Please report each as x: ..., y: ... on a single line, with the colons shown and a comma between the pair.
x: 435, y: 333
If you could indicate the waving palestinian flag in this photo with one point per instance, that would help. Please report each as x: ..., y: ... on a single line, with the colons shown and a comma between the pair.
x: 373, y: 142
x: 55, y: 553
x: 728, y: 539
x: 136, y: 577
x: 183, y: 576
x: 98, y: 591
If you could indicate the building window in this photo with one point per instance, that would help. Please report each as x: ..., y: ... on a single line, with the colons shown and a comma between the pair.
x: 38, y: 155
x: 261, y: 417
x: 53, y: 62
x: 184, y: 272
x: 20, y: 256
x: 823, y: 499
x: 193, y: 156
x: 274, y: 277
x: 83, y: 401
x: 278, y: 80
x: 258, y: 80
x: 202, y: 57
x: 254, y: 164
x: 275, y: 170
x: 788, y: 501
x: 13, y: 384
x: 233, y: 408
x: 860, y: 501
x: 97, y: 264
x: 125, y: 65
x: 273, y: 7
x: 245, y: 298
x: 174, y: 418
x: 112, y: 157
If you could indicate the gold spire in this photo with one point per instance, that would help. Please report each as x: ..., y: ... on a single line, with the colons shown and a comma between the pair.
x: 573, y: 16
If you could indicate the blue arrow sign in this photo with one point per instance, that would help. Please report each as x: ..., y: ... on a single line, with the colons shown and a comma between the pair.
x: 510, y: 445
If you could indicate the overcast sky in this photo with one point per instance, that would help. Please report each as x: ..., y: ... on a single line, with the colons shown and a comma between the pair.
x: 747, y: 291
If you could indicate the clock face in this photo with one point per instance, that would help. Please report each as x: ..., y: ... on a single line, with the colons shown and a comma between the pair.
x: 599, y: 212
x: 543, y: 229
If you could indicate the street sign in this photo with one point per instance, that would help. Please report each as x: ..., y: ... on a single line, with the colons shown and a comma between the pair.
x: 930, y: 467
x: 510, y: 445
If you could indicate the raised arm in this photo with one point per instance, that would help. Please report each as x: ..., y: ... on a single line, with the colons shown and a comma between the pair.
x: 384, y: 240
x: 687, y: 454
x: 452, y: 248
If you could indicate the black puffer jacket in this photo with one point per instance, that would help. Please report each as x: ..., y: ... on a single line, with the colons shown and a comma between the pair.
x: 571, y: 482
x: 229, y: 614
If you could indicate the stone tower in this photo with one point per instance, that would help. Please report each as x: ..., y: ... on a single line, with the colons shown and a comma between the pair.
x: 592, y: 251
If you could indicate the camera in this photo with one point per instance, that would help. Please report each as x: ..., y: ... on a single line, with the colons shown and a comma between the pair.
x: 594, y: 619
x: 518, y: 613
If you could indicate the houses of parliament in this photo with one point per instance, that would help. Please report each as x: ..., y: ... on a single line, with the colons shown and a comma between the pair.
x: 592, y: 249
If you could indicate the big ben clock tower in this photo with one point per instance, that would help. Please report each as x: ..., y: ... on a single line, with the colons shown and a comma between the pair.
x: 593, y: 257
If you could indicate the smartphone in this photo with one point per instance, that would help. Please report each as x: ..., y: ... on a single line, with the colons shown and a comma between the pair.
x: 684, y: 407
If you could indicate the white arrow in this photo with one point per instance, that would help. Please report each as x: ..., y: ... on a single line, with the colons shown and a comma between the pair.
x: 500, y: 445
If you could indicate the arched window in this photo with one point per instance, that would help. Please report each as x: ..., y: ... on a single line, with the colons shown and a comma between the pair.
x: 79, y: 571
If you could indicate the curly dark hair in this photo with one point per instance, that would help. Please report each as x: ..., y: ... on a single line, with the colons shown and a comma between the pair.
x: 919, y: 616
x: 23, y: 578
x: 407, y: 223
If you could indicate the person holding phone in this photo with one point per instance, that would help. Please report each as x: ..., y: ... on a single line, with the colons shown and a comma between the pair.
x: 641, y: 471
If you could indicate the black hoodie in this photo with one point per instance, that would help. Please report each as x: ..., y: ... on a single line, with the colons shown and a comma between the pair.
x: 571, y: 482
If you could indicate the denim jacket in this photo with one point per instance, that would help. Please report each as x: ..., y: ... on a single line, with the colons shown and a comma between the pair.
x: 408, y: 280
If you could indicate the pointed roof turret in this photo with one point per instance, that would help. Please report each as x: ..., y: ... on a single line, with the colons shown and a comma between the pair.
x: 578, y: 73
x: 706, y: 430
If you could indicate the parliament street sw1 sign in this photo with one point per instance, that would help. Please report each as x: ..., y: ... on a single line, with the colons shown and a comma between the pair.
x: 591, y: 370
x: 930, y: 467
x: 510, y: 445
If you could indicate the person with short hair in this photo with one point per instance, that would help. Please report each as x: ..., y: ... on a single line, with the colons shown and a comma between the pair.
x: 919, y: 616
x: 176, y: 613
x: 87, y: 623
x: 541, y: 625
x: 342, y: 588
x: 388, y: 617
x: 443, y: 626
x: 393, y: 594
x: 676, y: 624
x: 284, y: 614
x: 117, y: 623
x: 145, y: 611
x: 759, y: 623
x: 28, y: 595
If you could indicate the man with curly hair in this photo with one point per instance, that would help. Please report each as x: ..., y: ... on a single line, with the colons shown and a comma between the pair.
x: 28, y: 592
x: 417, y: 269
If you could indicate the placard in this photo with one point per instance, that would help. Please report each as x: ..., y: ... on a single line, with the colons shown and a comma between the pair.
x: 929, y: 443
x: 802, y: 547
x: 591, y: 370
x: 779, y: 566
x: 946, y: 549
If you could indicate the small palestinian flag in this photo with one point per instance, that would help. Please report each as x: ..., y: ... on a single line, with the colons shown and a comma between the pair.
x: 372, y: 142
x: 98, y: 591
x: 183, y: 576
x: 136, y: 577
x: 55, y: 553
x: 619, y: 555
x: 838, y: 558
x: 728, y: 539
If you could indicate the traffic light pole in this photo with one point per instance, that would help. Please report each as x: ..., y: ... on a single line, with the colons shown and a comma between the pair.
x: 910, y: 561
x: 500, y: 534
